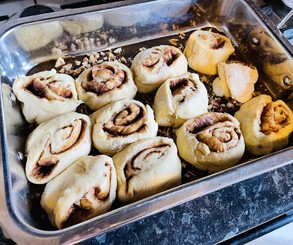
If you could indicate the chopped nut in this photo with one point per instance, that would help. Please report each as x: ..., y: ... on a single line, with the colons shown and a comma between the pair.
x: 67, y: 67
x: 123, y: 60
x: 173, y: 41
x: 73, y: 47
x: 60, y: 61
x: 77, y: 62
x: 117, y: 51
x: 111, y: 56
x: 57, y: 51
x: 112, y: 40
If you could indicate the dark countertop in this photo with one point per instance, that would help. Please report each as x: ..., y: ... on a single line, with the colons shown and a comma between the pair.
x: 238, y: 208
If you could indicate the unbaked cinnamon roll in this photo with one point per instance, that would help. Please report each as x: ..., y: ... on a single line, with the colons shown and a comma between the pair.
x: 179, y: 99
x: 105, y: 83
x: 236, y: 80
x: 121, y: 123
x: 212, y: 141
x: 205, y: 49
x: 46, y: 95
x: 84, y: 190
x: 266, y: 125
x: 56, y: 144
x: 83, y: 24
x: 151, y: 67
x: 147, y: 167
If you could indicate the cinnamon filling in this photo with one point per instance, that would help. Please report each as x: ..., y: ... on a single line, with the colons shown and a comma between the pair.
x: 273, y: 118
x: 129, y: 120
x: 168, y: 55
x: 44, y: 167
x: 104, y: 78
x: 81, y: 210
x: 64, y: 139
x: 216, y: 131
x: 77, y: 215
x: 49, y: 88
x: 204, y: 121
x: 179, y: 85
x: 144, y: 159
x: 152, y: 59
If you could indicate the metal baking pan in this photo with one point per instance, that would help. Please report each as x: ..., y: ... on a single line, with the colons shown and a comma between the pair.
x: 123, y: 24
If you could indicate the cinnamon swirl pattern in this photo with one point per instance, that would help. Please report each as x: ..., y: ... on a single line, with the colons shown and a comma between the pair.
x: 56, y: 144
x: 84, y: 190
x: 266, y: 125
x: 46, y: 95
x: 105, y: 83
x: 212, y: 141
x: 179, y: 99
x: 205, y: 49
x: 147, y: 167
x: 121, y: 123
x: 151, y: 67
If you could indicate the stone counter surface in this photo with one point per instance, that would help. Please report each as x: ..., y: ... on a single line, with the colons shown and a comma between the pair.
x: 214, y: 217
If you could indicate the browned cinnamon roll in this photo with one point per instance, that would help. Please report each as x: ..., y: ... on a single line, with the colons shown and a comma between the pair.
x: 147, y: 167
x: 151, y: 67
x: 46, y: 95
x: 56, y: 144
x: 122, y: 123
x: 212, y: 141
x: 179, y: 99
x: 105, y: 83
x: 266, y: 125
x: 84, y: 190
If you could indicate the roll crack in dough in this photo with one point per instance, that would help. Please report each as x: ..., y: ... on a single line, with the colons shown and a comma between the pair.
x: 236, y: 80
x: 151, y: 67
x: 179, y: 99
x: 80, y: 25
x: 266, y: 125
x: 84, y: 190
x: 56, y: 144
x: 212, y: 141
x: 121, y: 123
x: 147, y: 167
x: 46, y: 95
x: 105, y: 83
x: 37, y: 36
x: 205, y: 49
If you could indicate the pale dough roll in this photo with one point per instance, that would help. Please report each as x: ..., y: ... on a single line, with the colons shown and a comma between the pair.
x: 46, y: 95
x: 179, y: 99
x: 56, y: 144
x: 105, y: 83
x: 84, y: 190
x: 205, y: 49
x: 83, y: 24
x: 212, y: 141
x: 266, y: 125
x: 236, y: 80
x: 151, y: 67
x: 147, y: 167
x: 38, y: 36
x: 121, y: 123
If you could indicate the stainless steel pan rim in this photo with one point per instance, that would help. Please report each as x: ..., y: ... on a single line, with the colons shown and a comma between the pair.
x: 157, y: 203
